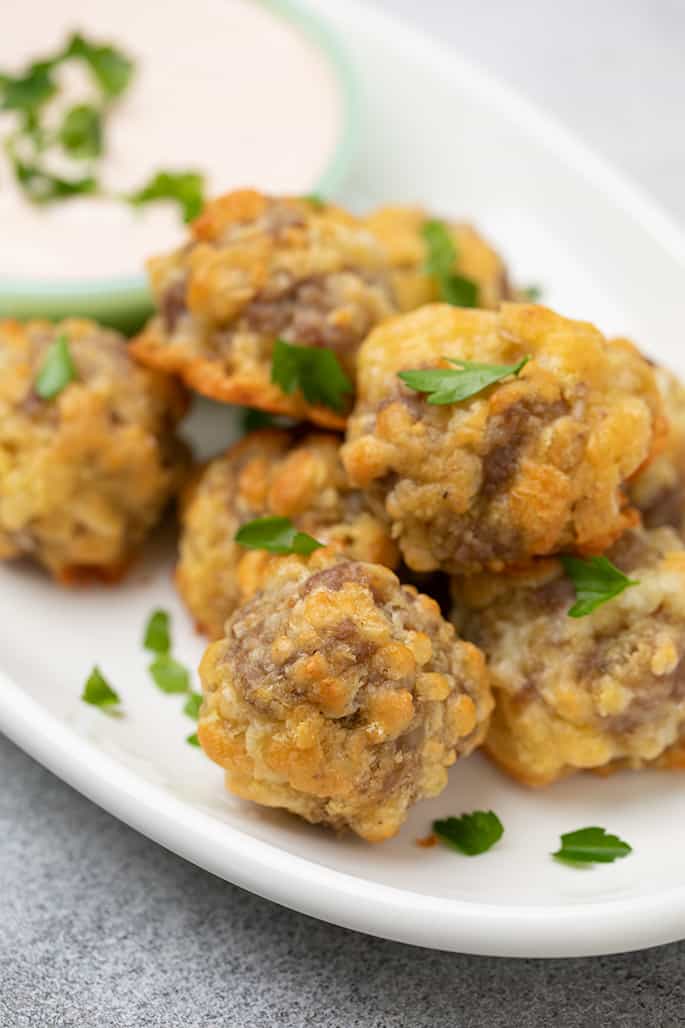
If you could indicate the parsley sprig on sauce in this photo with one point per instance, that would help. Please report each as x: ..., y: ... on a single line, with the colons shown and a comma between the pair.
x: 276, y: 535
x: 465, y: 379
x: 596, y: 580
x: 311, y: 369
x: 35, y: 146
x: 441, y: 258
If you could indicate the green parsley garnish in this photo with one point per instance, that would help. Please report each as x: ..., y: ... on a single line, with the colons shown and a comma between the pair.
x: 276, y: 535
x: 452, y: 385
x: 81, y: 131
x: 98, y: 692
x: 186, y: 188
x: 111, y: 69
x: 591, y: 846
x: 192, y: 705
x: 192, y: 739
x: 57, y: 370
x: 595, y: 580
x: 314, y: 370
x: 315, y: 200
x: 531, y: 293
x: 157, y: 632
x: 471, y: 833
x: 441, y: 257
x: 252, y: 420
x: 81, y: 135
x: 170, y: 675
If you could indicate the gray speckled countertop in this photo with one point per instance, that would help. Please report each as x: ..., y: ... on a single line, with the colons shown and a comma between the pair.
x: 99, y: 927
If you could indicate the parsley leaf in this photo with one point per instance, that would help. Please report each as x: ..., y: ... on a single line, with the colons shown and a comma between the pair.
x: 441, y: 257
x: 111, y: 68
x: 316, y: 200
x: 81, y: 131
x: 595, y: 580
x: 42, y: 187
x: 27, y: 92
x: 447, y: 385
x: 186, y: 188
x: 252, y: 420
x: 313, y: 370
x: 98, y: 692
x: 157, y: 636
x: 275, y: 535
x: 471, y: 833
x: 169, y: 674
x: 591, y: 846
x: 441, y: 253
x: 192, y: 705
x: 57, y: 370
x: 192, y: 739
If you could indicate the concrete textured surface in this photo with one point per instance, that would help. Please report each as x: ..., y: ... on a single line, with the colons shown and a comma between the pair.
x: 100, y: 927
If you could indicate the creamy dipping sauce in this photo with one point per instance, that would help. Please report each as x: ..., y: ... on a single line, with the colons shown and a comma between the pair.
x: 225, y: 87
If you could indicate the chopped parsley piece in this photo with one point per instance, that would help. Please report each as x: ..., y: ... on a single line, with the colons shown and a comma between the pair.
x: 441, y: 257
x: 57, y: 370
x: 452, y: 385
x: 169, y: 674
x: 531, y: 293
x: 316, y: 201
x: 591, y: 846
x: 27, y: 92
x: 192, y: 739
x: 276, y: 535
x: 111, y: 68
x: 471, y: 833
x: 81, y: 132
x: 314, y: 370
x: 192, y: 705
x: 42, y: 187
x: 595, y: 580
x: 185, y: 188
x: 157, y: 636
x: 98, y: 692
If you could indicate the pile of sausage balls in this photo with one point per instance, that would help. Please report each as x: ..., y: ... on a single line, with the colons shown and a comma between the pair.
x: 455, y: 434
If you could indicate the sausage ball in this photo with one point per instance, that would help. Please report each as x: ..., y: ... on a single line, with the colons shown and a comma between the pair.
x: 530, y: 465
x: 257, y: 268
x: 341, y: 695
x: 268, y: 473
x: 399, y: 231
x: 659, y: 491
x: 588, y: 692
x: 86, y: 474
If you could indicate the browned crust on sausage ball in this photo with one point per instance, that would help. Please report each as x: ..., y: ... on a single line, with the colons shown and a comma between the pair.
x: 289, y: 474
x: 340, y: 695
x: 602, y: 691
x: 257, y: 268
x: 530, y: 466
x: 86, y: 474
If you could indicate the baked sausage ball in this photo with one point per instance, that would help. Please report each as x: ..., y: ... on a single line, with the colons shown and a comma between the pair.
x: 257, y: 268
x: 341, y: 695
x: 268, y: 473
x: 659, y: 491
x: 574, y: 693
x: 399, y: 230
x: 86, y: 474
x: 531, y: 465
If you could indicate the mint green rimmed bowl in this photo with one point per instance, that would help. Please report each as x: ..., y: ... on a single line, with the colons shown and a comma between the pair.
x: 125, y: 301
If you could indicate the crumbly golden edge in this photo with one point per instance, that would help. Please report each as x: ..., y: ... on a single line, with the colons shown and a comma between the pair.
x: 207, y: 377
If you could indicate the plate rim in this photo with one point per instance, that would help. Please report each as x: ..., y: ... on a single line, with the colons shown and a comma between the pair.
x: 308, y: 886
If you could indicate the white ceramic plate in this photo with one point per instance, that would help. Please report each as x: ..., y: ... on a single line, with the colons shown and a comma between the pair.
x: 440, y: 131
